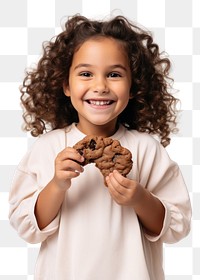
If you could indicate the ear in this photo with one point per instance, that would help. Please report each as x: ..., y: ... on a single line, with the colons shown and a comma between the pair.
x: 66, y: 89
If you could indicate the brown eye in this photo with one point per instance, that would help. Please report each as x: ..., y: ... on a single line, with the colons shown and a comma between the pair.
x: 114, y: 75
x: 85, y: 74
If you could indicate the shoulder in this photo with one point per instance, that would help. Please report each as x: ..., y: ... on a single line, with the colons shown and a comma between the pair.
x: 143, y: 145
x: 141, y: 139
x: 149, y: 146
x: 53, y: 139
x: 51, y: 135
x: 44, y: 148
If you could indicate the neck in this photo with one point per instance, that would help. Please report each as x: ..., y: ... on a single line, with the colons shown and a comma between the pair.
x: 99, y: 130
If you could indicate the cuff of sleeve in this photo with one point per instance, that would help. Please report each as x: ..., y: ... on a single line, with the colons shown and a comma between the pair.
x: 166, y: 224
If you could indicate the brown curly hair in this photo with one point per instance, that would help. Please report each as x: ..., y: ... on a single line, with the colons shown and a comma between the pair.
x: 152, y: 108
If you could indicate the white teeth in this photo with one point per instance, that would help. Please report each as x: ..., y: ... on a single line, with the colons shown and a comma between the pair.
x: 99, y: 103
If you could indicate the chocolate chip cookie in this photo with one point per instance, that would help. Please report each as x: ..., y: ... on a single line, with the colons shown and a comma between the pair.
x: 106, y: 153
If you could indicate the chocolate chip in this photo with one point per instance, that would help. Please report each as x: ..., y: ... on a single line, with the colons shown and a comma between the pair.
x: 92, y: 145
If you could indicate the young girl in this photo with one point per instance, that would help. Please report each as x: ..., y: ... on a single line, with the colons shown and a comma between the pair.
x: 105, y: 78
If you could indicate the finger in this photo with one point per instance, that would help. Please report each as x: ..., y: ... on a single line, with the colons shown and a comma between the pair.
x: 69, y: 174
x: 123, y: 181
x: 116, y: 183
x: 70, y: 165
x: 70, y: 153
x: 118, y: 197
x: 64, y: 177
x: 115, y: 189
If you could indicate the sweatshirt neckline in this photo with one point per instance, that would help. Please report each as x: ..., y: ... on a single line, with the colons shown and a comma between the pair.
x: 117, y: 135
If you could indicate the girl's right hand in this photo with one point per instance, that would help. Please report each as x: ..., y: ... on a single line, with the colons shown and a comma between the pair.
x: 50, y: 199
x: 67, y: 166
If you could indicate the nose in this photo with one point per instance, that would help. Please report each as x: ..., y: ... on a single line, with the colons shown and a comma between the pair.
x: 100, y: 85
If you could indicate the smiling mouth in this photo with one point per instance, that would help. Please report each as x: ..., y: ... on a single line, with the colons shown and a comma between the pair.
x: 99, y: 102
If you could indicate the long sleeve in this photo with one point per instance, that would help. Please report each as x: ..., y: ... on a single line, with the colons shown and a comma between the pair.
x: 33, y: 173
x: 163, y: 178
x: 22, y: 203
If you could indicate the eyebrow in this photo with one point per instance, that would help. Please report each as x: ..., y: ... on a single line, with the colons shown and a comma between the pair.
x: 90, y: 65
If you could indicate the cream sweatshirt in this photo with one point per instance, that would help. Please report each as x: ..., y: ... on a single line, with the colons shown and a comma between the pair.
x: 92, y: 237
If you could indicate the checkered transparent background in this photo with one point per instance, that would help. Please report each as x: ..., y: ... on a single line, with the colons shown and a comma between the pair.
x: 24, y: 25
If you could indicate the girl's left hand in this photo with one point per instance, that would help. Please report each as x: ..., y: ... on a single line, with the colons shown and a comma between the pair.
x: 148, y: 208
x: 123, y: 190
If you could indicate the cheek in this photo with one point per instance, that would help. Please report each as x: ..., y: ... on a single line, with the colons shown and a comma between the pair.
x: 76, y: 92
x: 78, y: 87
x: 123, y: 93
x: 124, y: 99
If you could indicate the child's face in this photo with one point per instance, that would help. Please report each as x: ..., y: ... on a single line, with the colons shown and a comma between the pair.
x: 99, y: 85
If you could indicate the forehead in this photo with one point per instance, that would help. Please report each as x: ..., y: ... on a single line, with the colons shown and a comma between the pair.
x: 101, y: 49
